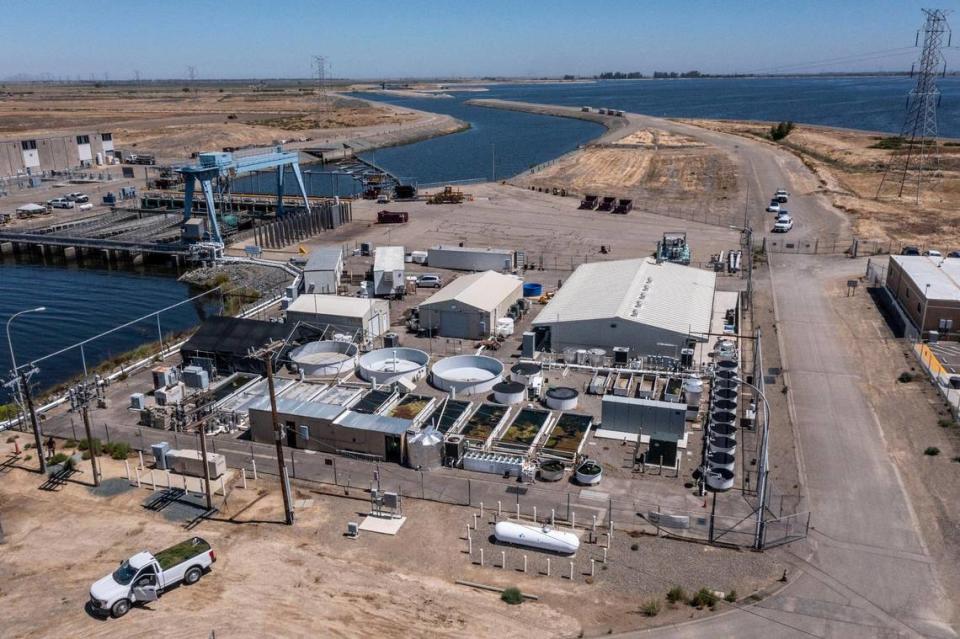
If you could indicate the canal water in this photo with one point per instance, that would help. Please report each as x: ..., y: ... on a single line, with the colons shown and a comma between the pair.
x: 85, y: 301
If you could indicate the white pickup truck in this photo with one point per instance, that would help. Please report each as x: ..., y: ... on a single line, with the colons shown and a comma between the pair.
x: 144, y: 576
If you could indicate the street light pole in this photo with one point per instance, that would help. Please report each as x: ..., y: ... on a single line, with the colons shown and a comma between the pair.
x: 764, y: 461
x: 24, y: 389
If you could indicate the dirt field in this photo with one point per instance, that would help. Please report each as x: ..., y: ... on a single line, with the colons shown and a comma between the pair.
x: 850, y: 169
x: 273, y: 580
x: 170, y: 119
x: 664, y: 172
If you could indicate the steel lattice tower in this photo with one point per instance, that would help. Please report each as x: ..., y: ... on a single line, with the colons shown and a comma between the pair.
x: 919, y: 150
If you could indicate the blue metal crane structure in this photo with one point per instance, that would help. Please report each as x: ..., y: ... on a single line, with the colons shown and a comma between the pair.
x: 215, y: 165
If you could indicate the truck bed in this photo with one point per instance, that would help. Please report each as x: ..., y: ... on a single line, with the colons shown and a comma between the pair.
x: 182, y: 552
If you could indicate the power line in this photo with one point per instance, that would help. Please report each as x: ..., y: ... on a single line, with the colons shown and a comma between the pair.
x: 919, y: 150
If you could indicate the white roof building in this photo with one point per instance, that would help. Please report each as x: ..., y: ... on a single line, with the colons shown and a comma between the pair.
x: 388, y: 271
x: 469, y: 306
x: 355, y: 316
x: 639, y: 304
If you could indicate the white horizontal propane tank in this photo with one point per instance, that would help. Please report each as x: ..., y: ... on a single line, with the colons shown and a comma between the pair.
x: 541, y: 537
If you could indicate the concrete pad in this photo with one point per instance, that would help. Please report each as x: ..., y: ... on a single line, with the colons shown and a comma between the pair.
x: 382, y: 525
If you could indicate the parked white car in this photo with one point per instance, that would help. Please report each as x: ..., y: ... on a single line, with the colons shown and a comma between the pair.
x: 429, y: 280
x: 143, y: 577
x: 79, y: 198
x: 783, y: 225
x: 933, y: 253
x: 61, y: 203
x: 86, y: 206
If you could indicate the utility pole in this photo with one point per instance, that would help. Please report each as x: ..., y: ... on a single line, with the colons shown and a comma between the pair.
x: 206, y: 466
x: 28, y: 399
x: 83, y: 398
x: 191, y: 73
x: 918, y: 137
x: 278, y: 436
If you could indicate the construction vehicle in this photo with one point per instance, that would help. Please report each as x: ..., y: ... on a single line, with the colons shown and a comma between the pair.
x: 448, y: 195
x: 673, y: 248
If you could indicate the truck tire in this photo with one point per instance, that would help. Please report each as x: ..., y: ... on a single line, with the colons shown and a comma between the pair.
x: 192, y: 575
x: 120, y: 608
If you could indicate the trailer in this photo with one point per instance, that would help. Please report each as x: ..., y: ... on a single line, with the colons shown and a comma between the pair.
x: 607, y: 204
x: 624, y: 206
x: 589, y: 202
x: 392, y: 217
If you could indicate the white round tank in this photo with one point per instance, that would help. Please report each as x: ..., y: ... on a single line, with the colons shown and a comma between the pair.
x: 325, y: 358
x: 581, y: 356
x: 562, y: 398
x: 387, y: 365
x: 718, y: 459
x: 722, y: 444
x: 466, y: 374
x: 529, y: 374
x: 595, y: 356
x: 509, y: 393
x: 540, y: 537
x: 720, y: 479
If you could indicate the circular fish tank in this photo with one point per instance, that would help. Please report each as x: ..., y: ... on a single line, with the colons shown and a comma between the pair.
x: 719, y: 459
x: 562, y: 398
x: 727, y: 373
x: 589, y: 473
x: 552, y: 470
x: 509, y: 393
x: 723, y: 428
x: 325, y: 358
x: 467, y: 374
x: 722, y: 444
x: 719, y: 416
x: 388, y: 365
x: 527, y: 373
x: 719, y: 479
x: 727, y: 383
x: 725, y: 393
x: 725, y: 405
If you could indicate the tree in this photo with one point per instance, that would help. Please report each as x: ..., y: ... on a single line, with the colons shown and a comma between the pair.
x: 781, y: 130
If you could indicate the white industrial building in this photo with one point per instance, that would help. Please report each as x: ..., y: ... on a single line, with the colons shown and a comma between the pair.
x: 361, y: 318
x: 469, y: 307
x: 463, y: 258
x: 323, y: 270
x: 388, y: 271
x: 650, y: 308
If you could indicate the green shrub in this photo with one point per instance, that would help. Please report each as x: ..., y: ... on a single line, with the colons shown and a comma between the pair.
x: 894, y: 142
x: 905, y: 377
x: 27, y: 446
x: 703, y: 598
x: 117, y: 450
x: 59, y: 458
x: 731, y: 596
x: 956, y: 459
x: 634, y: 546
x: 91, y: 444
x: 933, y: 451
x: 70, y: 463
x: 651, y: 608
x: 781, y: 130
x: 676, y: 595
x: 70, y: 443
x: 28, y: 458
x: 945, y: 423
x: 512, y: 596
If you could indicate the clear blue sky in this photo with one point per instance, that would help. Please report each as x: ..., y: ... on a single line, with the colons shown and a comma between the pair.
x: 414, y: 38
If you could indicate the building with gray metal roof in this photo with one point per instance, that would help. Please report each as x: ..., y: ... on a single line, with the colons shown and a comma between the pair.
x: 640, y: 304
x: 323, y: 270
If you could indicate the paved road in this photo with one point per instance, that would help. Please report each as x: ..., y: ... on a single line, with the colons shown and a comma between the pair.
x: 864, y: 571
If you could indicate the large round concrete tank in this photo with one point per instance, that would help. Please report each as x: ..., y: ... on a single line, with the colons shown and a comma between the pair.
x: 425, y: 450
x: 527, y: 373
x: 387, y: 365
x: 719, y: 416
x: 718, y: 459
x: 325, y: 358
x: 723, y: 428
x: 466, y: 374
x: 562, y: 398
x: 726, y: 393
x: 540, y: 537
x: 509, y: 393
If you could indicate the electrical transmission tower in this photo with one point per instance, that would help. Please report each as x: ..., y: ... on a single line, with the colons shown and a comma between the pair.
x: 320, y: 69
x: 918, y: 151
